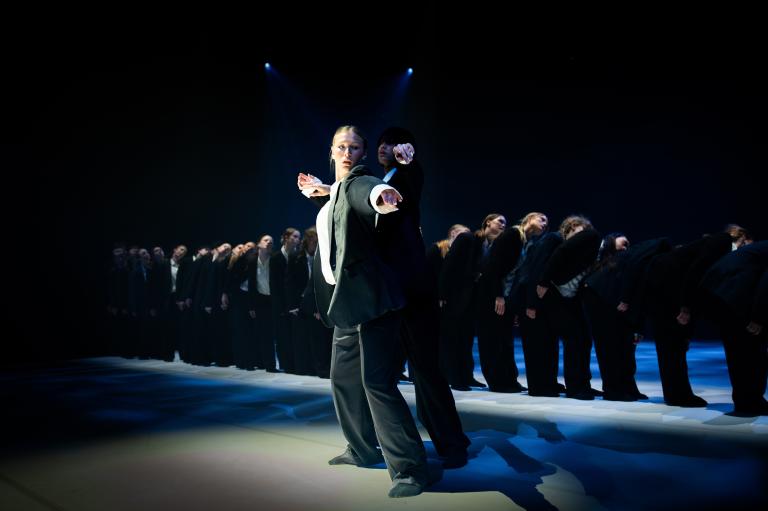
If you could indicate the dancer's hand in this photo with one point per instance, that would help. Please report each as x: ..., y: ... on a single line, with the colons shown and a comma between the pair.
x: 389, y: 199
x: 622, y: 307
x: 404, y: 153
x: 499, y: 306
x: 684, y: 317
x: 311, y: 186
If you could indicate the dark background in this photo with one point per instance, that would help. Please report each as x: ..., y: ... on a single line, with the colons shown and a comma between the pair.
x: 157, y: 128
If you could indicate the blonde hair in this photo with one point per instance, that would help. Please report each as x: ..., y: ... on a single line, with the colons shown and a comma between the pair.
x: 445, y: 245
x: 523, y: 223
x: 353, y: 129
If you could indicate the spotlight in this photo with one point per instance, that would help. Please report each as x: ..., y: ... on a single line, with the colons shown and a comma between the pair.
x: 410, y: 71
x: 267, y: 66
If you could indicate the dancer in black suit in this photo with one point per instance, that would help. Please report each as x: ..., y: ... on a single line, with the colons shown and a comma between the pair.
x: 508, y: 254
x: 365, y: 307
x: 614, y: 335
x: 469, y: 295
x: 673, y: 281
x: 450, y: 333
x: 558, y: 289
x: 281, y: 321
x: 402, y: 247
x: 736, y: 290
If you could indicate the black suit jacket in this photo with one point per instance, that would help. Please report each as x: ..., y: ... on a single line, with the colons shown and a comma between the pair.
x: 297, y: 275
x: 504, y: 256
x: 399, y: 234
x: 461, y: 272
x: 572, y: 257
x: 740, y: 281
x: 531, y: 271
x: 366, y: 287
x: 278, y: 268
x: 674, y: 276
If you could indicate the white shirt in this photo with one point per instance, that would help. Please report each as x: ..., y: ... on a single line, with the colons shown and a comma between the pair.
x: 323, y: 236
x: 262, y: 277
x: 174, y: 271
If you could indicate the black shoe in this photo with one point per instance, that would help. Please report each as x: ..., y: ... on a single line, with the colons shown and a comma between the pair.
x: 584, y: 395
x: 474, y: 383
x: 463, y: 388
x: 407, y: 487
x: 348, y: 457
x: 561, y: 388
x: 595, y: 392
x: 273, y: 370
x: 639, y: 396
x: 455, y: 459
x: 752, y: 410
x: 691, y: 401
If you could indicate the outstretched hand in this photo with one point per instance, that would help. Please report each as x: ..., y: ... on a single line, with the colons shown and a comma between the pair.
x: 389, y: 197
x: 312, y: 186
x: 404, y: 153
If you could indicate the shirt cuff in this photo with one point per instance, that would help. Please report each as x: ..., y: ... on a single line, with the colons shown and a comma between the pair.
x: 382, y: 209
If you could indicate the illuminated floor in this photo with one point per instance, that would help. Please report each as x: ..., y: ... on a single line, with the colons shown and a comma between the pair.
x: 114, y: 434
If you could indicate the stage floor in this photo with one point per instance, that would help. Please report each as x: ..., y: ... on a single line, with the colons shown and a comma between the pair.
x: 115, y: 434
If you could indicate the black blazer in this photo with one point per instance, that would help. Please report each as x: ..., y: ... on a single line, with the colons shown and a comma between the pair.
x: 366, y: 287
x: 297, y: 275
x: 461, y: 273
x: 674, y: 276
x: 740, y: 281
x: 399, y: 235
x: 504, y: 256
x: 622, y: 280
x: 278, y: 268
x: 531, y: 271
x: 572, y: 257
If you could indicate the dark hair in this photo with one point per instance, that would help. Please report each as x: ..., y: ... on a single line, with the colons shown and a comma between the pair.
x: 396, y: 135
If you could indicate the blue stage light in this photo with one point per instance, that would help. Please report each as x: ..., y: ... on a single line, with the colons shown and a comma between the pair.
x: 267, y: 66
x: 410, y: 71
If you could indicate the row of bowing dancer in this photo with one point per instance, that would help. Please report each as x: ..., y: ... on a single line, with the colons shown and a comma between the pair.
x: 363, y: 294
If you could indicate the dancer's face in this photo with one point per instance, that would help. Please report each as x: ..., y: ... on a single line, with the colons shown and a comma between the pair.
x: 265, y: 243
x: 537, y: 225
x: 496, y: 226
x: 386, y: 155
x: 347, y: 150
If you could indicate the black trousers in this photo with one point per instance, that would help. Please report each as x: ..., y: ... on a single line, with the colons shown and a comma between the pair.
x: 541, y: 351
x: 281, y: 322
x: 368, y: 404
x: 457, y: 336
x: 312, y: 343
x: 672, y: 343
x: 264, y: 332
x: 301, y: 343
x: 745, y: 354
x: 435, y: 405
x: 244, y: 346
x: 614, y: 345
x: 558, y: 318
x: 495, y: 344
